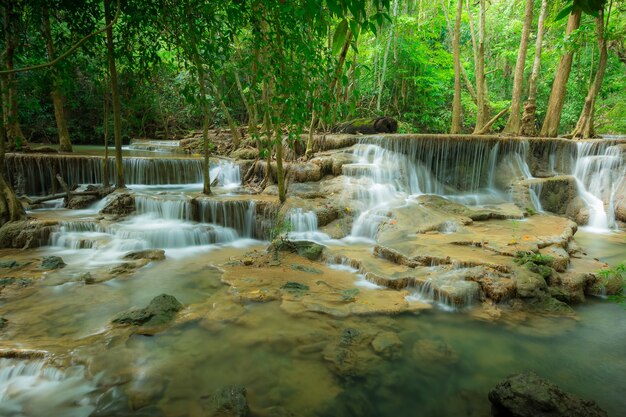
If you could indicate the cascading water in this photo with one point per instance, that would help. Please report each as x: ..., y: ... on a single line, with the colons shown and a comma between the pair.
x: 303, y: 226
x: 388, y: 172
x: 36, y: 174
x: 35, y: 389
x: 599, y: 171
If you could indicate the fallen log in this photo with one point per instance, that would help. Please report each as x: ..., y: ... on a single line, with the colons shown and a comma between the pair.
x: 367, y: 126
x: 39, y: 200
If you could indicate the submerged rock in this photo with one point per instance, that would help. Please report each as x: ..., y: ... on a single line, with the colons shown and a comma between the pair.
x: 81, y: 201
x: 528, y: 395
x: 229, y: 401
x: 52, y: 262
x: 3, y: 322
x: 161, y: 310
x: 150, y: 254
x: 310, y: 250
x: 387, y: 344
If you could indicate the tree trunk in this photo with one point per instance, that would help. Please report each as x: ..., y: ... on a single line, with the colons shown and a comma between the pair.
x: 456, y: 53
x: 482, y: 112
x: 514, y: 123
x: 314, y: 118
x: 584, y: 128
x: 10, y: 207
x: 65, y: 144
x: 280, y: 172
x: 14, y: 132
x: 234, y: 131
x: 386, y: 56
x: 206, y: 113
x: 117, y: 114
x: 528, y: 127
x: 105, y: 161
x: 551, y: 123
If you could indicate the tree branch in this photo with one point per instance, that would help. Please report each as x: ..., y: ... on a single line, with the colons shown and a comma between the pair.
x: 69, y: 51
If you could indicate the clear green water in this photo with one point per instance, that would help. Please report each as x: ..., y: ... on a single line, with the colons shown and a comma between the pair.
x: 279, y: 357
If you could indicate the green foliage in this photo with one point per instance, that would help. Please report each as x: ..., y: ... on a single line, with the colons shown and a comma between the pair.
x: 616, y: 272
x: 535, y: 262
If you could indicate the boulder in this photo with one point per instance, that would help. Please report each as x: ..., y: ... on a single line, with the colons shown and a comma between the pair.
x: 26, y: 234
x: 121, y: 204
x: 620, y: 201
x: 81, y: 201
x: 528, y: 395
x: 305, y: 172
x: 52, y: 262
x: 229, y: 401
x: 310, y: 250
x: 161, y: 310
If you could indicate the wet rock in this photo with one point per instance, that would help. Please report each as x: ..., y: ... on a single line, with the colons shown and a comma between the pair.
x: 149, y: 254
x: 529, y: 284
x: 570, y: 287
x: 245, y: 153
x: 229, y: 401
x: 528, y: 395
x: 310, y: 250
x: 559, y: 256
x: 305, y: 172
x: 161, y: 310
x: 10, y: 264
x: 121, y: 204
x: 548, y: 305
x: 577, y: 210
x: 304, y: 268
x: 81, y: 201
x: 17, y: 282
x: 387, y: 344
x: 295, y: 287
x: 26, y: 234
x: 609, y: 284
x: 434, y: 351
x: 557, y: 193
x: 52, y: 262
x: 128, y: 267
x: 87, y: 278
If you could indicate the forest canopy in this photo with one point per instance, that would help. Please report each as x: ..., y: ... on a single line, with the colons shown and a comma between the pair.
x: 287, y: 63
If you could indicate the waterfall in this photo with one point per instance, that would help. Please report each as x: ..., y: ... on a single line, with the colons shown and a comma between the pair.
x: 599, y: 169
x: 171, y: 207
x: 33, y: 388
x: 33, y: 174
x: 239, y: 215
x: 303, y: 226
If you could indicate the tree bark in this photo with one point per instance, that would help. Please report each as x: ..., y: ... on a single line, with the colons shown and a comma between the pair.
x: 65, y: 144
x: 482, y: 112
x: 513, y: 124
x: 584, y: 127
x: 10, y: 207
x: 14, y: 132
x: 456, y: 53
x: 234, y: 131
x: 551, y: 123
x: 386, y: 56
x: 117, y: 114
x: 201, y: 78
x: 105, y: 161
x: 528, y: 127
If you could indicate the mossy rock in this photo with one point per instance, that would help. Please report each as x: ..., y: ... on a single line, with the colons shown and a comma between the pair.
x: 52, y: 262
x: 162, y: 309
x: 307, y: 249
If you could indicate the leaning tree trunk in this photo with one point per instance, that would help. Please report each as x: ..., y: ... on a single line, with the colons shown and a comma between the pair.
x: 11, y: 29
x: 10, y: 207
x: 482, y: 112
x: 456, y: 53
x: 514, y: 123
x: 117, y: 114
x: 528, y: 127
x: 65, y: 145
x: 584, y: 128
x: 551, y: 123
x: 232, y: 126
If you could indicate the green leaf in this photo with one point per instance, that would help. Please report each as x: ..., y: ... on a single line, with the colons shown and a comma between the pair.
x: 340, y: 36
x: 565, y: 12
